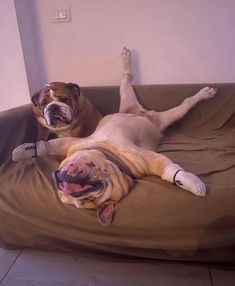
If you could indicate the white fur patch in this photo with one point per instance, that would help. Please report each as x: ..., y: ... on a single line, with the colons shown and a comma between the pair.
x: 51, y: 93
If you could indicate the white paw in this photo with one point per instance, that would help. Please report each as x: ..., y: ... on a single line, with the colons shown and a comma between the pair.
x: 207, y: 92
x: 191, y: 183
x: 185, y: 180
x: 24, y: 151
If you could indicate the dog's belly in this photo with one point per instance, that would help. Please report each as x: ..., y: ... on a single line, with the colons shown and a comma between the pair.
x: 126, y: 129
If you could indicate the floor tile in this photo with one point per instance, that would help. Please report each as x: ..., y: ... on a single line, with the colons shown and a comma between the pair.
x: 36, y: 268
x: 223, y: 276
x: 7, y: 258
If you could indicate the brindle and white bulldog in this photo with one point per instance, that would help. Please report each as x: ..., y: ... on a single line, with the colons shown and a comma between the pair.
x: 64, y: 110
x: 99, y: 170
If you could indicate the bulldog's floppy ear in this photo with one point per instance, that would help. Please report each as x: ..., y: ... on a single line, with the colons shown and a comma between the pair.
x: 74, y: 88
x: 35, y: 98
x: 105, y: 213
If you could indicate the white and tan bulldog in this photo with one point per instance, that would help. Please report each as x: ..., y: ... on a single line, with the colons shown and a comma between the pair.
x: 99, y: 170
x: 64, y: 110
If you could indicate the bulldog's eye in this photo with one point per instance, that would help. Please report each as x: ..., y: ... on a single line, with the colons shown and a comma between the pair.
x: 44, y: 103
x: 64, y: 99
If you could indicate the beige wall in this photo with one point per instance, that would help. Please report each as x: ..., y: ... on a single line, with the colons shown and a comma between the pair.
x: 173, y: 41
x: 13, y: 81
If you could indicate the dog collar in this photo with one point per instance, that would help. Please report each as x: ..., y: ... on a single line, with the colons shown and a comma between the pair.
x: 114, y: 159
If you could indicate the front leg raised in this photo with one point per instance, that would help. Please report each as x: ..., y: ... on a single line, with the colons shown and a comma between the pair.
x: 59, y: 146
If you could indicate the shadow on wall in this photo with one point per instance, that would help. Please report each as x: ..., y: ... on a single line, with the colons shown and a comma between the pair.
x: 31, y: 40
x: 136, y: 66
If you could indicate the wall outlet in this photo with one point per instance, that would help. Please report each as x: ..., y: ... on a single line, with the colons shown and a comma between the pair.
x: 61, y: 15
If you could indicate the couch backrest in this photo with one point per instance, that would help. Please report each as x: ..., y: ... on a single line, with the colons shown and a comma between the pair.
x: 157, y: 97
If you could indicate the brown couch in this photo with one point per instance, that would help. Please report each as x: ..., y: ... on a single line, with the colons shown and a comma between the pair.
x: 157, y: 219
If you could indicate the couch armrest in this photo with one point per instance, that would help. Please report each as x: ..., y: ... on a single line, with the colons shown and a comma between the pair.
x: 17, y: 125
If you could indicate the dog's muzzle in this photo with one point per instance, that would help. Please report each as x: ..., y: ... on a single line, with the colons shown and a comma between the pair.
x: 77, y: 185
x: 57, y: 113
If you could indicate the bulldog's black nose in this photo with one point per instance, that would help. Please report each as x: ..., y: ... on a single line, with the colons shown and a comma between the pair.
x: 72, y: 178
x: 54, y: 108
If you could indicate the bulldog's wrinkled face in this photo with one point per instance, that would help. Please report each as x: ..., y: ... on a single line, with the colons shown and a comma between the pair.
x: 88, y: 180
x: 55, y: 104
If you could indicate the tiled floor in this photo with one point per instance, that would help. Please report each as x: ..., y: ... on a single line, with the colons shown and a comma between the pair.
x: 36, y: 268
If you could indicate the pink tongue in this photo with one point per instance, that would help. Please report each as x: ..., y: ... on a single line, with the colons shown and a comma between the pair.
x: 70, y: 188
x: 59, y: 117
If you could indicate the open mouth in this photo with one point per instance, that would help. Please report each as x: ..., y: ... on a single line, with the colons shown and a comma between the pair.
x: 57, y: 118
x: 77, y: 187
x: 56, y: 115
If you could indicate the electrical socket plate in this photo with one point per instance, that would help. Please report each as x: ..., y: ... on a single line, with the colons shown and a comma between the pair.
x: 61, y: 15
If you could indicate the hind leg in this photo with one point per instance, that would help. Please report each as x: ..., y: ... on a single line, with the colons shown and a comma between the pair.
x: 166, y: 118
x: 128, y: 100
x: 170, y: 116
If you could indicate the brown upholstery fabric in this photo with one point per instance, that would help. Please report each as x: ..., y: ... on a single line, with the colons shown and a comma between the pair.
x: 157, y: 219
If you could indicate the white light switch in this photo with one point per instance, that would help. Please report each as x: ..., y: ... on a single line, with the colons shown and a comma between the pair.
x: 55, y: 15
x: 61, y: 15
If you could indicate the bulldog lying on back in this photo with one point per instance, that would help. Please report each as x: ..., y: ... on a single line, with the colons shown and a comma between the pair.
x: 99, y: 170
x: 64, y: 111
